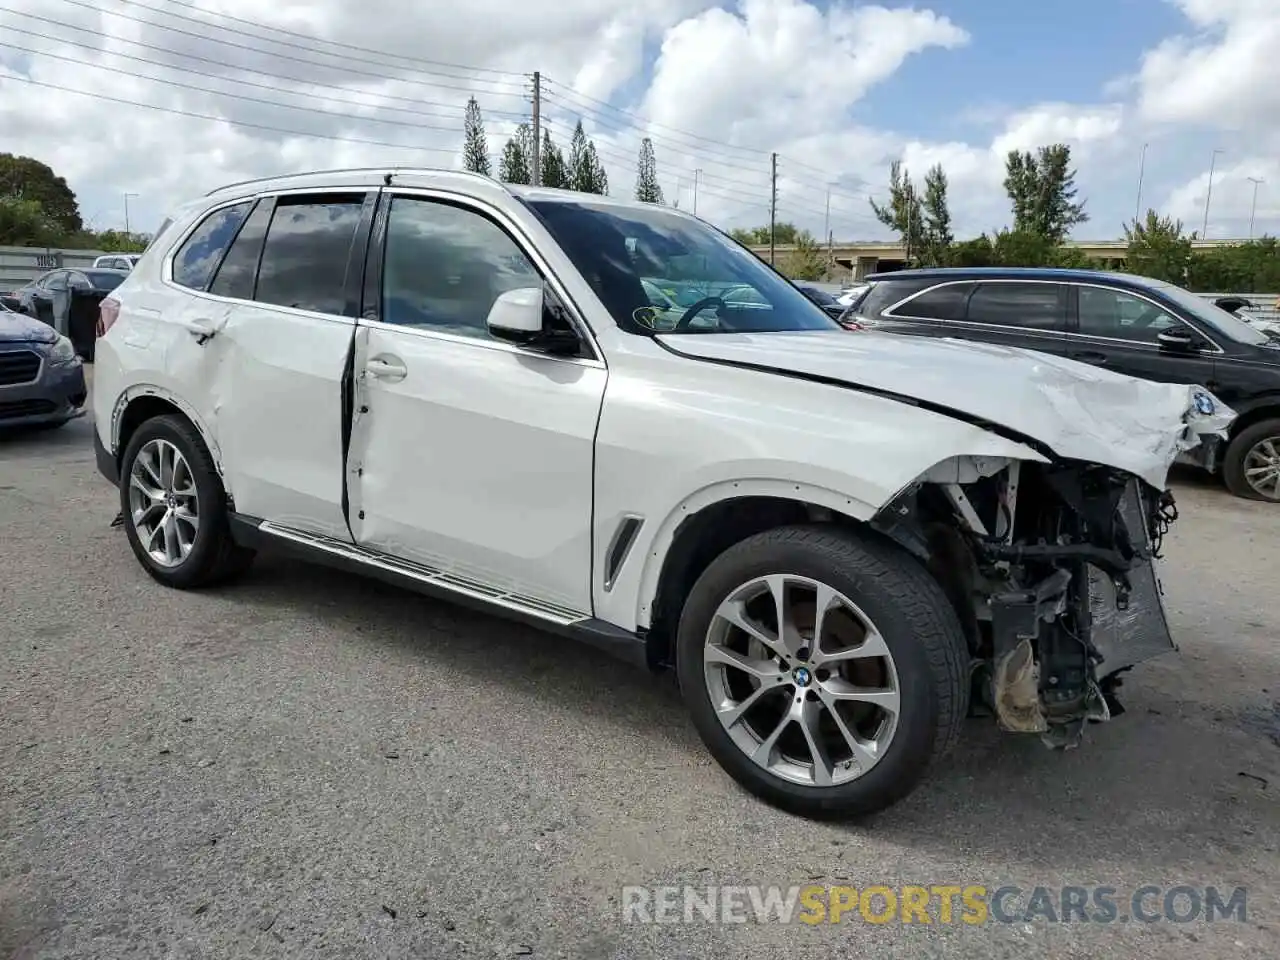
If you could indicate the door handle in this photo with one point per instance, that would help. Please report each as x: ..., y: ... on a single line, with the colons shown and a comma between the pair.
x: 201, y: 327
x: 1090, y: 356
x: 386, y: 368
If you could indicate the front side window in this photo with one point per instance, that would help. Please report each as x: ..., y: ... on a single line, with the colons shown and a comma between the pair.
x: 199, y: 256
x: 1122, y: 316
x: 444, y: 266
x: 305, y: 256
x: 1033, y: 306
x: 710, y: 284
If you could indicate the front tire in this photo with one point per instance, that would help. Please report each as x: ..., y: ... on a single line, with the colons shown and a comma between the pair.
x: 841, y: 711
x: 175, y: 508
x: 1251, y: 467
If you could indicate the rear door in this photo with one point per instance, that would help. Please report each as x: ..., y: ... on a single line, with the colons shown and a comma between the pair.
x: 281, y: 301
x: 1031, y: 314
x: 1118, y: 329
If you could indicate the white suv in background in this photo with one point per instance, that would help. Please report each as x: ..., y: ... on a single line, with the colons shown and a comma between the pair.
x: 842, y: 542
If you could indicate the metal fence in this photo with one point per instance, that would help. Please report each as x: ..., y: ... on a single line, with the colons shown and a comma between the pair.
x: 1262, y: 306
x: 21, y: 265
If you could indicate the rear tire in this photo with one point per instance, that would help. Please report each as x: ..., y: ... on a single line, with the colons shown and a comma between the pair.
x: 903, y: 612
x: 1248, y: 451
x: 175, y: 508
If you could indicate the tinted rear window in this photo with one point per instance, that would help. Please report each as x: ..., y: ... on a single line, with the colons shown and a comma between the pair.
x: 882, y: 294
x: 304, y: 260
x: 199, y: 256
x: 103, y: 280
x: 1036, y: 306
x: 235, y: 278
x: 940, y: 303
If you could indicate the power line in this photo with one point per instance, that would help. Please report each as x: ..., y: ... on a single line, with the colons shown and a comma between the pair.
x: 701, y: 155
x: 235, y: 123
x: 569, y: 91
x: 220, y: 63
x: 344, y: 45
x: 223, y: 93
x: 381, y: 77
x: 204, y: 21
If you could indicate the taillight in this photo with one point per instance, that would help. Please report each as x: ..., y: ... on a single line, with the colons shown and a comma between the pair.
x: 108, y: 311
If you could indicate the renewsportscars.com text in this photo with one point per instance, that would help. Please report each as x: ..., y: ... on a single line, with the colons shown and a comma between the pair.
x: 970, y: 904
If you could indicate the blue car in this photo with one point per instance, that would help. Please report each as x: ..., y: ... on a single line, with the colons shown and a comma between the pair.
x: 41, y: 377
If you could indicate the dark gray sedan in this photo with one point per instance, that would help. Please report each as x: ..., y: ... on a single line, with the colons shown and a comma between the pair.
x: 41, y: 377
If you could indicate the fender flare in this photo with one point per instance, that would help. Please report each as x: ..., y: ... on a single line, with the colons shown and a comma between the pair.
x: 660, y: 543
x: 139, y: 390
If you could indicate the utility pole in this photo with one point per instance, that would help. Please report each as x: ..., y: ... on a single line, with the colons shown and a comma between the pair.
x: 696, y: 174
x: 535, y: 175
x: 773, y: 203
x: 126, y: 212
x: 1204, y: 232
x: 1142, y: 167
x: 826, y: 220
x: 1254, y: 208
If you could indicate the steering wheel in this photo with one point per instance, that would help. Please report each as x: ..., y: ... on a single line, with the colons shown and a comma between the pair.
x: 697, y: 308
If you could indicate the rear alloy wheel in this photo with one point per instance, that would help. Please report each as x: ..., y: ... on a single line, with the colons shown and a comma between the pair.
x: 824, y: 670
x: 175, y: 508
x: 1251, y: 467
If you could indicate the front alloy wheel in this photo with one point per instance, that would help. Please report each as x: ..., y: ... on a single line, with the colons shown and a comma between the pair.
x: 801, y: 680
x: 1251, y: 466
x: 823, y: 667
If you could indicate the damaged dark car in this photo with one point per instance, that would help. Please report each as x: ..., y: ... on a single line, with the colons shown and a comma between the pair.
x: 68, y: 300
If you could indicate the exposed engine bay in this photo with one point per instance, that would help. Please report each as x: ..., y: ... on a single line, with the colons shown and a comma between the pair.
x: 1052, y: 569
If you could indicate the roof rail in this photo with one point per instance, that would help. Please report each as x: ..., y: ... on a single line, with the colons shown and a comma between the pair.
x: 390, y: 170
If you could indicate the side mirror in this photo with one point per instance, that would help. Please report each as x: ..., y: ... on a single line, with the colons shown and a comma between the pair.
x: 516, y: 315
x: 1179, y: 340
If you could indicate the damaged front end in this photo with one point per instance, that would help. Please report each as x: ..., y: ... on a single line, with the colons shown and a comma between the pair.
x: 1052, y: 569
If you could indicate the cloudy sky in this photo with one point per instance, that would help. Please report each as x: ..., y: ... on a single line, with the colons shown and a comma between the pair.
x: 162, y: 98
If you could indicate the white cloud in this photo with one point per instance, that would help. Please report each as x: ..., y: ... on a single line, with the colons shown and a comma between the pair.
x: 1226, y: 75
x: 732, y: 81
x: 1231, y: 203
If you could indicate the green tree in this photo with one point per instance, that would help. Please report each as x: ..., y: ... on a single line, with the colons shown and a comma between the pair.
x: 475, y: 148
x: 784, y: 233
x: 1158, y: 248
x: 28, y: 179
x: 577, y: 167
x: 517, y: 157
x: 807, y: 261
x: 647, y: 188
x: 903, y: 214
x: 936, y: 248
x: 978, y: 252
x: 597, y: 180
x: 555, y: 173
x: 1042, y: 191
x: 24, y: 223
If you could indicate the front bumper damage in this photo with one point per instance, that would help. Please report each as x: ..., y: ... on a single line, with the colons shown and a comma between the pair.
x: 1053, y: 570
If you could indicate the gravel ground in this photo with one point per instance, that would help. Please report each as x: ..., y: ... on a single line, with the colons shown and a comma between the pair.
x: 308, y: 765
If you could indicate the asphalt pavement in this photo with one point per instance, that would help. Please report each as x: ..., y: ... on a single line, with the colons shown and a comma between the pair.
x: 310, y: 765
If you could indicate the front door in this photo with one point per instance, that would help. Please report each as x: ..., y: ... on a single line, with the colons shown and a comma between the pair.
x: 469, y: 456
x: 1118, y: 330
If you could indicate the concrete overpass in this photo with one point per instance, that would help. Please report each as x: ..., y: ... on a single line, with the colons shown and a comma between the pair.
x: 861, y: 257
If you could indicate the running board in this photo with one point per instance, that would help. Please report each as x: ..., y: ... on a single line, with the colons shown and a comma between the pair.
x: 428, y: 576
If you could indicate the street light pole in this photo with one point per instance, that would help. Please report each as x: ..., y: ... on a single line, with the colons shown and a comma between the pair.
x: 1142, y: 167
x: 1204, y: 232
x: 126, y: 212
x: 697, y: 175
x: 1253, y: 209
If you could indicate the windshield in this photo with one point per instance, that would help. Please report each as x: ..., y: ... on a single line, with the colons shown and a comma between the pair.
x: 1228, y: 324
x: 706, y: 283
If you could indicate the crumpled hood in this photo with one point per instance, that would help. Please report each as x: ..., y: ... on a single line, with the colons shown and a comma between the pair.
x: 1076, y: 410
x: 20, y: 327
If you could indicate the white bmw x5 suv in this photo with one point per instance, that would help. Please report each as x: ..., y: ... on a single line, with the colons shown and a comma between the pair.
x: 842, y: 542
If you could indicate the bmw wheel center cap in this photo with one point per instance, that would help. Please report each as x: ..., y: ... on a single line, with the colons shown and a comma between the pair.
x: 802, y: 676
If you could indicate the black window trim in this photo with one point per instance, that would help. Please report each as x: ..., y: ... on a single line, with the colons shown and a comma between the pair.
x: 1061, y: 331
x: 360, y: 240
x: 371, y: 307
x: 1073, y: 317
